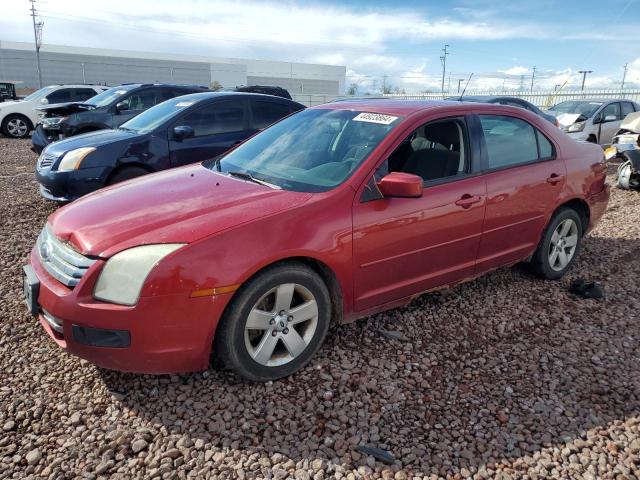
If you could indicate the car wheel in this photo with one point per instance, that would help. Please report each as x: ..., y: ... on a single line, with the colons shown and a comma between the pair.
x: 16, y: 126
x: 126, y: 173
x: 274, y: 325
x: 559, y: 246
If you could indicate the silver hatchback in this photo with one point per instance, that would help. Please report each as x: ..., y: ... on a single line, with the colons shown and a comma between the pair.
x: 593, y: 120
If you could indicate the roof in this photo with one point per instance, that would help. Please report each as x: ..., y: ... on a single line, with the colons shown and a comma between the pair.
x: 197, y: 96
x: 387, y: 106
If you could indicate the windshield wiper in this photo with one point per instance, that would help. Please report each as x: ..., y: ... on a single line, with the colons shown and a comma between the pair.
x: 251, y: 178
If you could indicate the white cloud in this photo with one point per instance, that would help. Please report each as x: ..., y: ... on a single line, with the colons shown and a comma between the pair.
x: 518, y: 70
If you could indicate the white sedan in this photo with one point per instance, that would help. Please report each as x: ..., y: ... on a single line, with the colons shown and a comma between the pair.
x: 19, y: 117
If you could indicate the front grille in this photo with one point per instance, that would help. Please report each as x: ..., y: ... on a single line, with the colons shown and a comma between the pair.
x: 61, y: 261
x: 46, y: 160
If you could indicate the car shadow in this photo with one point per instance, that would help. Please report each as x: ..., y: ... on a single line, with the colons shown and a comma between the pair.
x: 491, y: 371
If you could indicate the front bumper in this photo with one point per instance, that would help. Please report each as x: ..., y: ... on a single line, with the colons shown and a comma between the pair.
x: 68, y: 186
x: 161, y: 334
x: 40, y: 138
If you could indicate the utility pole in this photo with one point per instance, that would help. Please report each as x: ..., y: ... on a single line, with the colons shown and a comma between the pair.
x: 37, y: 35
x: 384, y: 84
x: 521, y: 82
x: 443, y: 59
x: 459, y: 82
x: 584, y: 77
x: 624, y: 76
x: 533, y: 76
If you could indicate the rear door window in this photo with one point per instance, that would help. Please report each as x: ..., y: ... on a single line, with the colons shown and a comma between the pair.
x: 215, y: 118
x: 60, y: 96
x: 627, y: 108
x: 264, y: 112
x: 511, y: 141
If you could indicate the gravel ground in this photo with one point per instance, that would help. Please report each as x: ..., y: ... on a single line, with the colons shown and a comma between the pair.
x: 504, y: 377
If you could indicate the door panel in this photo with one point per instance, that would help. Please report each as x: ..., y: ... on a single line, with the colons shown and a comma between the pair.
x: 519, y: 201
x: 609, y: 129
x: 405, y: 246
x: 217, y: 126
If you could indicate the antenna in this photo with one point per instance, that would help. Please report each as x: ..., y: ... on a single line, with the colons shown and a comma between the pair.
x: 465, y: 87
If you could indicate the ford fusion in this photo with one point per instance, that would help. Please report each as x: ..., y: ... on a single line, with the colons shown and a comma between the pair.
x: 332, y: 214
x: 177, y: 132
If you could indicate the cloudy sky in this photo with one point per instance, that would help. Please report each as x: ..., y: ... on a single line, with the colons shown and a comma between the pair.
x: 396, y: 43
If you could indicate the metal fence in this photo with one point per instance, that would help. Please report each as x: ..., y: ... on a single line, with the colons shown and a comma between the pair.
x: 542, y: 99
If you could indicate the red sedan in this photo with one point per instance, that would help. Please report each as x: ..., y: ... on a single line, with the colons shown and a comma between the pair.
x: 332, y: 214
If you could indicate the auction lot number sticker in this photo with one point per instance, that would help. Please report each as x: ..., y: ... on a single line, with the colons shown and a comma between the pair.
x: 375, y: 118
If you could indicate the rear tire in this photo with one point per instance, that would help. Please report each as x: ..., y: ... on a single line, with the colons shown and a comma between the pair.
x: 559, y: 246
x: 16, y: 126
x: 126, y: 173
x: 290, y: 307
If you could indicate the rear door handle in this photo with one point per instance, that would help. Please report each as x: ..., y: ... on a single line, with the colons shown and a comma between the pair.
x: 554, y: 178
x: 467, y: 200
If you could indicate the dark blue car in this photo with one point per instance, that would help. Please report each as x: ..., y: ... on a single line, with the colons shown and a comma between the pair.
x: 183, y: 130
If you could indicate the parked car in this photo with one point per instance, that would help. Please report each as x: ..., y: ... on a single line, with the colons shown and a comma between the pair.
x: 595, y: 121
x: 7, y: 92
x: 511, y: 101
x: 265, y: 89
x: 108, y: 110
x: 18, y: 117
x: 334, y: 213
x: 183, y: 130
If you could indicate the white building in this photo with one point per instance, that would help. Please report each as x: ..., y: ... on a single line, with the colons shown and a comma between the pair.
x: 63, y: 64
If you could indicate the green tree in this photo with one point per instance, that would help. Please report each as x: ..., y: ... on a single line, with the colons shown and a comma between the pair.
x: 216, y: 86
x: 353, y: 89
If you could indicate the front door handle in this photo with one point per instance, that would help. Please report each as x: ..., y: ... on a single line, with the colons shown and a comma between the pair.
x: 467, y: 200
x: 554, y: 178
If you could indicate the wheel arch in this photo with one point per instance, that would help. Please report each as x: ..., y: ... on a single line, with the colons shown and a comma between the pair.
x: 18, y: 114
x: 325, y: 272
x: 582, y: 209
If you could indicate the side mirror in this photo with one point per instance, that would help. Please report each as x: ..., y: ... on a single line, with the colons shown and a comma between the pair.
x: 181, y: 132
x: 121, y: 106
x: 399, y: 184
x: 610, y: 118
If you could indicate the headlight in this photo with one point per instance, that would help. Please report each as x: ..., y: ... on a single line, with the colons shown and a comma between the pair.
x: 124, y: 274
x: 52, y: 121
x: 576, y: 127
x: 73, y: 159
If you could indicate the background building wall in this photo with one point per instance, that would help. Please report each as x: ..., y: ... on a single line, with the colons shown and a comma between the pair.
x: 63, y: 64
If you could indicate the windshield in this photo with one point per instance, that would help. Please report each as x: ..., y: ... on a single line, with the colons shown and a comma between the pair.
x: 311, y: 151
x: 585, y: 109
x: 39, y: 93
x: 108, y: 96
x: 155, y: 116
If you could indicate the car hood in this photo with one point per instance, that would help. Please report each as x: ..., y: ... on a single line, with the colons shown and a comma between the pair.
x: 175, y: 206
x: 56, y: 109
x: 566, y: 119
x: 89, y: 139
x: 631, y: 122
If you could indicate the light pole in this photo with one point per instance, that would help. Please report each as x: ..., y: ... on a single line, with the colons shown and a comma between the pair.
x: 624, y: 76
x: 533, y: 75
x: 443, y: 58
x: 459, y: 82
x: 584, y: 77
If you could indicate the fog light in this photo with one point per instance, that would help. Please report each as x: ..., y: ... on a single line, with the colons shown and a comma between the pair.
x: 98, y: 337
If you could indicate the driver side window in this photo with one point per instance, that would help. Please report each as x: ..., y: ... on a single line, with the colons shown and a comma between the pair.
x: 434, y: 151
x: 143, y: 100
x: 611, y: 109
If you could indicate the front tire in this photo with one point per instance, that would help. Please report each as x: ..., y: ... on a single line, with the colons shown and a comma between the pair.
x: 275, y: 324
x: 559, y: 245
x: 16, y: 126
x: 126, y: 173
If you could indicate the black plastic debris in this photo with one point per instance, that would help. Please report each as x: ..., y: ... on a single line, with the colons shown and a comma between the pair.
x: 393, y: 335
x: 378, y: 453
x: 585, y: 289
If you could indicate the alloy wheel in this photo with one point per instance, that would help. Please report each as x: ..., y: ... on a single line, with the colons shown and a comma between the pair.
x: 17, y: 127
x: 281, y: 325
x: 563, y: 244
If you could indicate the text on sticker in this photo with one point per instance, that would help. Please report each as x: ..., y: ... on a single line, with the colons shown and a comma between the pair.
x: 375, y: 118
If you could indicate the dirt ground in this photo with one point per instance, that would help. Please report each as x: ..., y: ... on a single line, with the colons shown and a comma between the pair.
x: 504, y: 377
